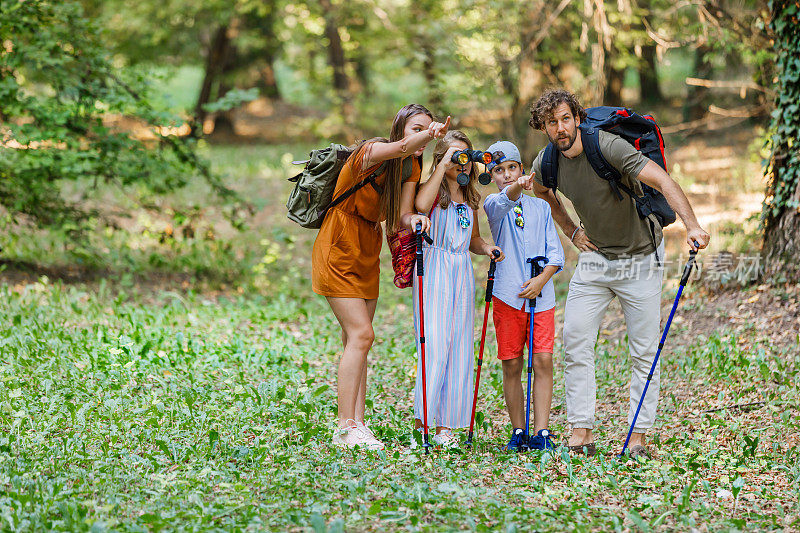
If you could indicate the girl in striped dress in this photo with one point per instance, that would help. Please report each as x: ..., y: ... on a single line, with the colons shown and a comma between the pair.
x: 449, y: 291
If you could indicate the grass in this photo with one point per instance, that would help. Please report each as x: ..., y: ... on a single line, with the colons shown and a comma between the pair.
x: 207, y: 403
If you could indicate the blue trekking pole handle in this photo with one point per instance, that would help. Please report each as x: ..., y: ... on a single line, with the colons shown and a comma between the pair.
x: 687, y: 270
x: 536, y: 269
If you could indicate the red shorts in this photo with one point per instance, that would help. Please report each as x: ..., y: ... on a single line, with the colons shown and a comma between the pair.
x: 511, y: 329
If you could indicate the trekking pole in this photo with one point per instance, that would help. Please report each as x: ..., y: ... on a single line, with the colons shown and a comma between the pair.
x: 687, y: 270
x: 420, y: 271
x: 536, y: 269
x: 489, y: 287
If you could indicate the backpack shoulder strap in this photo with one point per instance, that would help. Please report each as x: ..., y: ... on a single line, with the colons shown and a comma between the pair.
x: 590, y: 138
x: 435, y: 203
x: 550, y: 167
x: 408, y: 168
x: 352, y: 190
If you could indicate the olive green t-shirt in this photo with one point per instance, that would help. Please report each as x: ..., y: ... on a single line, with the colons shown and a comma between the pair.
x: 612, y: 225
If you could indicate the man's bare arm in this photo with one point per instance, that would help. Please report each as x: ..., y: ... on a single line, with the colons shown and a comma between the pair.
x: 654, y: 176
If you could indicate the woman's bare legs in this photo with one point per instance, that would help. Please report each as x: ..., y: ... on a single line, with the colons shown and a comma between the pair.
x: 355, y: 317
x: 362, y: 391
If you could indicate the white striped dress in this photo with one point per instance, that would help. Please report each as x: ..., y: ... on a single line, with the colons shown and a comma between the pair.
x: 449, y: 297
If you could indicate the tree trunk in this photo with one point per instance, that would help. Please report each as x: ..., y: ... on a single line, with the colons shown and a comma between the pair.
x: 337, y: 61
x: 650, y: 92
x: 313, y: 73
x: 781, y: 251
x: 336, y: 57
x: 267, y: 83
x: 530, y: 82
x: 530, y: 85
x: 697, y: 98
x: 428, y: 49
x: 507, y: 80
x: 215, y: 57
x: 361, y: 67
x: 424, y: 41
x: 223, y: 121
x: 612, y: 95
x: 602, y: 49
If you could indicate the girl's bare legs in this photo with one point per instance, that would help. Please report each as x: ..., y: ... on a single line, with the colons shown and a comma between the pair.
x: 355, y: 317
x: 419, y: 425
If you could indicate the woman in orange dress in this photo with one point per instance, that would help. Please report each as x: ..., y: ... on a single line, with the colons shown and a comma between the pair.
x: 346, y: 252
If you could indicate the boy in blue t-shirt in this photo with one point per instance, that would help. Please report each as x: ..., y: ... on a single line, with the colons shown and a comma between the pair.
x: 523, y: 228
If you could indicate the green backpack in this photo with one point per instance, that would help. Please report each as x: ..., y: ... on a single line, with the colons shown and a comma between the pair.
x: 312, y: 196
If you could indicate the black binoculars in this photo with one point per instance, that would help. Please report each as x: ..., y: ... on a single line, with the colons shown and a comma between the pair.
x: 462, y: 157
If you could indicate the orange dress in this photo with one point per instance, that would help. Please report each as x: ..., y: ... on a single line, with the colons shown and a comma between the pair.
x: 345, y: 261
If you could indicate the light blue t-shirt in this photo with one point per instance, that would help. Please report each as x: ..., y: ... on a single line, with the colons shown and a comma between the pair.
x: 537, y: 237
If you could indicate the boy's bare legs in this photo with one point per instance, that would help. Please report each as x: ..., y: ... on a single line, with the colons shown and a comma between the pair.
x: 512, y: 390
x: 542, y: 390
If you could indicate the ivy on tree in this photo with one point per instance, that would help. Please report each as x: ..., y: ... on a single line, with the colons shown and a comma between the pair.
x: 781, y: 209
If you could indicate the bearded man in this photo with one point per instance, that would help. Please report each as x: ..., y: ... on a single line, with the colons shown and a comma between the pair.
x: 619, y: 258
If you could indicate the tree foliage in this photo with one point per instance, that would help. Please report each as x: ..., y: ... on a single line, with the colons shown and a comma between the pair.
x: 58, y: 84
x: 353, y: 61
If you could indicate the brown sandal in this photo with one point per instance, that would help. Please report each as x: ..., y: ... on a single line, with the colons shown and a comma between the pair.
x: 584, y: 449
x: 639, y: 452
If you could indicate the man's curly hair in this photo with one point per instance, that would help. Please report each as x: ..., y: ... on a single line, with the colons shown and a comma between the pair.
x: 546, y: 105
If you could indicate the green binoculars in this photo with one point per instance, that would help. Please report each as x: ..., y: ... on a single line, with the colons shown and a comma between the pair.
x: 462, y: 157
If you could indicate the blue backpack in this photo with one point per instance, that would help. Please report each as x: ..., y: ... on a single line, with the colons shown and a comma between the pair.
x: 643, y: 133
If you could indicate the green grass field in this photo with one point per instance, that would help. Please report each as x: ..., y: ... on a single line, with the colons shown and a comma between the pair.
x: 188, y: 383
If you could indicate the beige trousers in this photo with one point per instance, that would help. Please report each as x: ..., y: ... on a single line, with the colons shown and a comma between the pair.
x: 636, y: 282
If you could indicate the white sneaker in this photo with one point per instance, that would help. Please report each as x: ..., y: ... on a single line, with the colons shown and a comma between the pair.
x: 352, y: 435
x: 342, y: 437
x: 369, y: 436
x: 447, y: 439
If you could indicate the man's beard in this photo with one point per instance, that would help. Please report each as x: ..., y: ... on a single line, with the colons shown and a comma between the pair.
x: 565, y: 143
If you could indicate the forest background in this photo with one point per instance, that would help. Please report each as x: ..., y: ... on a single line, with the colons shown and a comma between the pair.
x: 165, y: 362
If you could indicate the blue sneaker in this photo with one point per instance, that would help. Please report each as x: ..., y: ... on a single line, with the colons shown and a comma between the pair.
x: 541, y: 441
x: 517, y: 440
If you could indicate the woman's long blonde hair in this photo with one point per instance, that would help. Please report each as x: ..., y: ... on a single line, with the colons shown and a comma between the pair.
x: 471, y: 195
x: 393, y: 183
